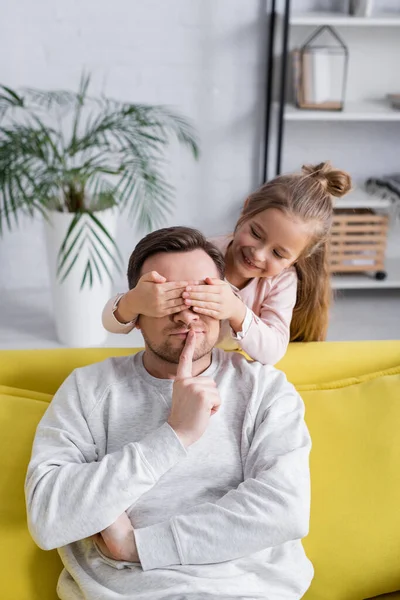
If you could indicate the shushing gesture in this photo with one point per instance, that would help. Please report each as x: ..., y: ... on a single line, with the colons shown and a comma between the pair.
x: 194, y: 399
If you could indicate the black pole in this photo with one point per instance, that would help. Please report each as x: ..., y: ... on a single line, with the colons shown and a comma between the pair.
x: 269, y: 84
x: 285, y: 37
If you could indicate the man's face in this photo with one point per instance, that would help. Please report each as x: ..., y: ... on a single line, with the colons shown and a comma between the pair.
x: 166, y: 336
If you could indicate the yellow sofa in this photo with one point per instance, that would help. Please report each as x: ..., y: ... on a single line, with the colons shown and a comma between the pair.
x: 352, y: 396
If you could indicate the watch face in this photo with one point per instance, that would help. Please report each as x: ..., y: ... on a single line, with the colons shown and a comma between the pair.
x: 117, y: 299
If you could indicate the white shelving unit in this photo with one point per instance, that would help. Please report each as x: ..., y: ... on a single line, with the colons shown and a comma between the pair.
x: 367, y: 282
x: 339, y: 20
x: 357, y: 110
x: 353, y: 111
x: 359, y: 198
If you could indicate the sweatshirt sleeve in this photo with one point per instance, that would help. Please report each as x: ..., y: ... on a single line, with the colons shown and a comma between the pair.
x: 269, y: 508
x: 267, y: 337
x: 109, y: 320
x: 70, y: 493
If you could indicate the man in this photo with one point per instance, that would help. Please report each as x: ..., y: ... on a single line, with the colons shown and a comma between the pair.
x: 206, y: 453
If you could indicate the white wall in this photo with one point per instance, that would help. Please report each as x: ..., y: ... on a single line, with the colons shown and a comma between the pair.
x: 205, y: 57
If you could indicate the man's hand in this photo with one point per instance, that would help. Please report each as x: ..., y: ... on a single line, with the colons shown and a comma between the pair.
x: 118, y: 540
x: 194, y: 399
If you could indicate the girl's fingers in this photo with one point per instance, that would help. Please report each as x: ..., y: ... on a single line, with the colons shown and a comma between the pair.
x: 175, y: 293
x: 212, y: 281
x: 205, y: 288
x: 174, y: 289
x: 209, y: 313
x: 173, y: 285
x: 174, y: 302
x: 206, y: 296
x: 201, y: 304
x: 175, y: 309
x: 153, y: 277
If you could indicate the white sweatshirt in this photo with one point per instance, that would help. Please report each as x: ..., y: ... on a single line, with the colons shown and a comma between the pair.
x: 223, y: 519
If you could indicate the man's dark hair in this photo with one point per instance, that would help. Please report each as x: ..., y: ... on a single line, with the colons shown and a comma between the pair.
x: 171, y: 239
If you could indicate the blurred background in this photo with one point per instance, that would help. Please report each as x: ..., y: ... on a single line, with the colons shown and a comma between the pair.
x: 211, y: 62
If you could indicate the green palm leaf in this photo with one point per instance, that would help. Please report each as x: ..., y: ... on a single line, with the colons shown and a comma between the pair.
x: 70, y: 151
x: 86, y: 232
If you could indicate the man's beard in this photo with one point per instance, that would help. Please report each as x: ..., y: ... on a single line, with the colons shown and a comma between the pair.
x: 172, y: 354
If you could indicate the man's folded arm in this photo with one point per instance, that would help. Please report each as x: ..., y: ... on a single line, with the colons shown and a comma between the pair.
x: 70, y: 493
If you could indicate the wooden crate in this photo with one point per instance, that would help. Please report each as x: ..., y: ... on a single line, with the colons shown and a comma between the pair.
x: 358, y: 242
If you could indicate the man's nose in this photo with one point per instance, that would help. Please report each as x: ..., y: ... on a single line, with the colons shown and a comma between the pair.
x: 186, y: 317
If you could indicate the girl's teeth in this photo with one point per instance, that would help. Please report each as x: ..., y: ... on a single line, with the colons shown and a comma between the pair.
x: 249, y: 262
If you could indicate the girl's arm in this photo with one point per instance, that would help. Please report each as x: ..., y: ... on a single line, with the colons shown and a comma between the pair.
x: 265, y: 337
x: 111, y: 317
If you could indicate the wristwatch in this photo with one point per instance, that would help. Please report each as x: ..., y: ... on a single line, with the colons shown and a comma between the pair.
x: 114, y: 308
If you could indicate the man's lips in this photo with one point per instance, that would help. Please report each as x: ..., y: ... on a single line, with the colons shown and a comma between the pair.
x: 186, y: 331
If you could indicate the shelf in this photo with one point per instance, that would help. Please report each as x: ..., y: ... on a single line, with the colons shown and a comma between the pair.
x: 365, y: 281
x: 353, y: 111
x: 337, y: 19
x: 359, y: 198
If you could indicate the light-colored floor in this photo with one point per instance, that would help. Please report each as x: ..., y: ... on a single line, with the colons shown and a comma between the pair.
x: 26, y: 319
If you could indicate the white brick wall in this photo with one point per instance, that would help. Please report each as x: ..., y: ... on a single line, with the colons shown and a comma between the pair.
x: 205, y: 57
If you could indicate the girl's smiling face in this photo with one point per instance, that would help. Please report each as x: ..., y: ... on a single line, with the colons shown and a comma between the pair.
x: 265, y: 245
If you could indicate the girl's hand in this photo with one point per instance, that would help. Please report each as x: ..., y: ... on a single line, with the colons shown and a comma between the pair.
x: 216, y: 299
x: 152, y: 297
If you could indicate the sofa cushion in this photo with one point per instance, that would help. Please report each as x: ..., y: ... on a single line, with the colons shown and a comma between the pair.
x: 28, y: 572
x: 354, y: 539
x: 394, y: 596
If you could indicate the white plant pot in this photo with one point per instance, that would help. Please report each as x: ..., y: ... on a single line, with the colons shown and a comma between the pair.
x: 77, y: 311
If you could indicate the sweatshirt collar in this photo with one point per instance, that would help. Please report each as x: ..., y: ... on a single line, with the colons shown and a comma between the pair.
x: 167, y: 383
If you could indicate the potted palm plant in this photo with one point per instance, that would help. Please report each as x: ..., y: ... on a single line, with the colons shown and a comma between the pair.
x: 80, y: 161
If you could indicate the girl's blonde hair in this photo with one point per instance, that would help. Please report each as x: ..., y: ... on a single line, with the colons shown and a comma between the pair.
x: 306, y: 196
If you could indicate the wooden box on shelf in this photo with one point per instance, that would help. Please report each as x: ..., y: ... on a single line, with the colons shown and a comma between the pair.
x: 358, y: 242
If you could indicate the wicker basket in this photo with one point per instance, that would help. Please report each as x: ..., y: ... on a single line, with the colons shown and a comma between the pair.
x: 358, y: 242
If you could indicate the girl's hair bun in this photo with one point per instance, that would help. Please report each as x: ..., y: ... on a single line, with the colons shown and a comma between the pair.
x: 336, y: 183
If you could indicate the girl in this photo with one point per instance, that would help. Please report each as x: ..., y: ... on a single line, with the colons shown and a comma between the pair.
x: 277, y: 286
